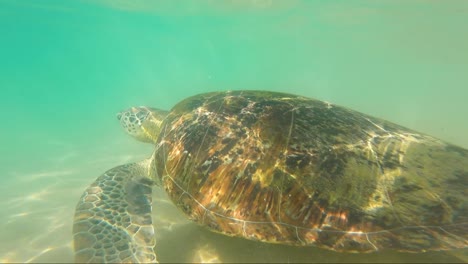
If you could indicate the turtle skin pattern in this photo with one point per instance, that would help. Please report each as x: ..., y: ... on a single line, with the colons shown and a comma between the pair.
x: 113, y: 218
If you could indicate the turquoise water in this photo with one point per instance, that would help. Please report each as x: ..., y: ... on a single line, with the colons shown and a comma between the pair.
x: 67, y: 67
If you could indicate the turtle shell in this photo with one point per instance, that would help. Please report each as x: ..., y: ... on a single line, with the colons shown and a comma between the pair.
x: 282, y: 168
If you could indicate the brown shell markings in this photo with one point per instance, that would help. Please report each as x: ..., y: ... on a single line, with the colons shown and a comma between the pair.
x: 286, y: 169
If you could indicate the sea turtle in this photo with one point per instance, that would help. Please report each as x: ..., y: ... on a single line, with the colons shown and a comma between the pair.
x: 279, y: 168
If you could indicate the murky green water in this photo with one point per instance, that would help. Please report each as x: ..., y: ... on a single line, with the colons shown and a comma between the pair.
x: 66, y: 68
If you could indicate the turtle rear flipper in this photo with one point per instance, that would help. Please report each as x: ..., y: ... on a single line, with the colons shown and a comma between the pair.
x: 113, y: 218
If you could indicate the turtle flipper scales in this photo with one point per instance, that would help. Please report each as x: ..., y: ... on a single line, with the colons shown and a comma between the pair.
x: 113, y: 218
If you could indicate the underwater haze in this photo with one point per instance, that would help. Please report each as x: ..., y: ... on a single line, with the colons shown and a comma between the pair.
x: 67, y: 68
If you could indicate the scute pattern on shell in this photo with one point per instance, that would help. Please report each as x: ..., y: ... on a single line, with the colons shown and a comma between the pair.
x: 287, y: 169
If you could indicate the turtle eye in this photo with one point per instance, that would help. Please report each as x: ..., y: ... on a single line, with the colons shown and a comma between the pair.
x: 119, y: 116
x: 142, y: 115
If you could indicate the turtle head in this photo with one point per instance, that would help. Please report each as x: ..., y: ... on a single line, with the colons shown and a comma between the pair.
x: 142, y: 123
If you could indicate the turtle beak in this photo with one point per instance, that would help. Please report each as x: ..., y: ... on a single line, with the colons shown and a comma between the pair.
x: 119, y: 115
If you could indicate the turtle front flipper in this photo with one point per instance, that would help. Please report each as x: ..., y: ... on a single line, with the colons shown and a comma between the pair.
x: 113, y: 218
